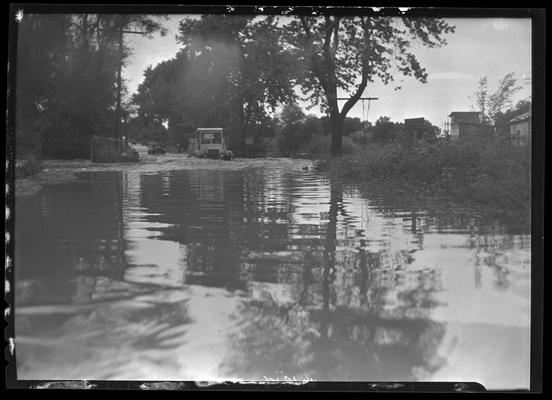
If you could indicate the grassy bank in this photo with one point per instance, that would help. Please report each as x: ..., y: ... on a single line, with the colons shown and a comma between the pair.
x: 486, y: 174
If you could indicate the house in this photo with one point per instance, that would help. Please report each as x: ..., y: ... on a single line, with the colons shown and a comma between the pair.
x: 520, y: 129
x: 466, y: 124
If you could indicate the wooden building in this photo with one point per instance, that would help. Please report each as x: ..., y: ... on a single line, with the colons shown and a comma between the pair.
x: 520, y: 129
x: 465, y: 124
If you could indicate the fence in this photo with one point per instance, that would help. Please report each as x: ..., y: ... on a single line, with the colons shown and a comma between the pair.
x: 109, y: 150
x: 106, y: 150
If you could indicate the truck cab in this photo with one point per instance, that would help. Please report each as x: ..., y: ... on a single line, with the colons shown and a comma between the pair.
x: 210, y: 143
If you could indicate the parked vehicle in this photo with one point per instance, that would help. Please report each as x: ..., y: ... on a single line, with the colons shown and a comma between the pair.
x: 156, y: 148
x: 210, y: 143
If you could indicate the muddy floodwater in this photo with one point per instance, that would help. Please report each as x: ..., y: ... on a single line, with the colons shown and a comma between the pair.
x: 263, y: 273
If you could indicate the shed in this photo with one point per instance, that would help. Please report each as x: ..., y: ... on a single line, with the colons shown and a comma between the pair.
x: 466, y: 124
x: 520, y: 129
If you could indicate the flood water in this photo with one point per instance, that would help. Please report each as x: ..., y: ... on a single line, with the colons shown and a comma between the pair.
x: 263, y: 273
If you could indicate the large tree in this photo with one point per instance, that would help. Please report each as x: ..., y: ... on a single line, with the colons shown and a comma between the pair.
x: 347, y: 52
x: 246, y: 70
x: 66, y: 89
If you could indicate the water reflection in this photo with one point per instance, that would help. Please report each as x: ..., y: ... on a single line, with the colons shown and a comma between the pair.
x: 334, y: 326
x: 263, y: 273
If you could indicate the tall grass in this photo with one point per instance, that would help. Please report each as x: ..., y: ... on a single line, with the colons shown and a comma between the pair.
x: 486, y: 173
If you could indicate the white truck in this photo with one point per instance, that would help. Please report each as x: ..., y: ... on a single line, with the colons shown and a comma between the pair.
x: 210, y: 143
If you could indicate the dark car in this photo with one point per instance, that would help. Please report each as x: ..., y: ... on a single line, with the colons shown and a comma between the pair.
x: 157, y: 148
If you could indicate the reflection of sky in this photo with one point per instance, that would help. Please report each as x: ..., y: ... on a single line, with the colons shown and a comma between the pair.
x: 468, y: 301
x: 483, y: 289
x: 447, y: 254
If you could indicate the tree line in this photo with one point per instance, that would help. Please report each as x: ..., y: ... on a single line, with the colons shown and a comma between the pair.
x: 231, y: 71
x: 66, y: 79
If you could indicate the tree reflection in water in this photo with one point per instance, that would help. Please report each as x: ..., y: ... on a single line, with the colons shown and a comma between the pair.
x: 316, y: 336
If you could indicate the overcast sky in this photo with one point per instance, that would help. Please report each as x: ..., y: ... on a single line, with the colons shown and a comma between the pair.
x: 480, y: 46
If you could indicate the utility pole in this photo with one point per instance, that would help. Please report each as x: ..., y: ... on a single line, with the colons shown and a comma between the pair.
x: 119, y: 89
x: 363, y: 99
x: 118, y: 130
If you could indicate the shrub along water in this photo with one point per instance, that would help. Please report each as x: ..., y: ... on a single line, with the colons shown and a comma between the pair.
x: 488, y: 174
x: 27, y: 166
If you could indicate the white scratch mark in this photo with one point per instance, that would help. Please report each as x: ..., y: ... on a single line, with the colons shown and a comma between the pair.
x: 19, y: 16
x: 8, y: 263
x: 7, y: 312
x: 376, y: 9
x: 11, y: 345
x: 230, y: 8
x: 404, y: 9
x: 7, y: 287
x: 161, y: 386
x: 7, y: 189
x: 7, y: 237
x: 65, y: 385
x: 7, y: 213
x: 289, y: 10
x: 206, y: 383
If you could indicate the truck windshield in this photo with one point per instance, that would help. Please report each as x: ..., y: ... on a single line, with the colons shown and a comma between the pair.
x: 216, y: 138
x: 211, y: 138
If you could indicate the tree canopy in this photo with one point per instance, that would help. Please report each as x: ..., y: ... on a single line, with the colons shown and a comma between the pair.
x: 492, y: 105
x: 233, y: 71
x: 347, y: 52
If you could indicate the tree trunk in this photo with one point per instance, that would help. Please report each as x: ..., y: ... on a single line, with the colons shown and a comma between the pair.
x: 337, y: 120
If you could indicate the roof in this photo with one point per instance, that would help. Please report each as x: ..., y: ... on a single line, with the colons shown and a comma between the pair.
x: 464, y: 113
x: 522, y: 117
x: 420, y: 119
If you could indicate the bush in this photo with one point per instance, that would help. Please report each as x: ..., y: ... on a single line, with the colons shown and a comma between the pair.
x: 27, y: 166
x: 131, y: 155
x: 105, y: 151
x: 487, y: 173
x: 317, y: 145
